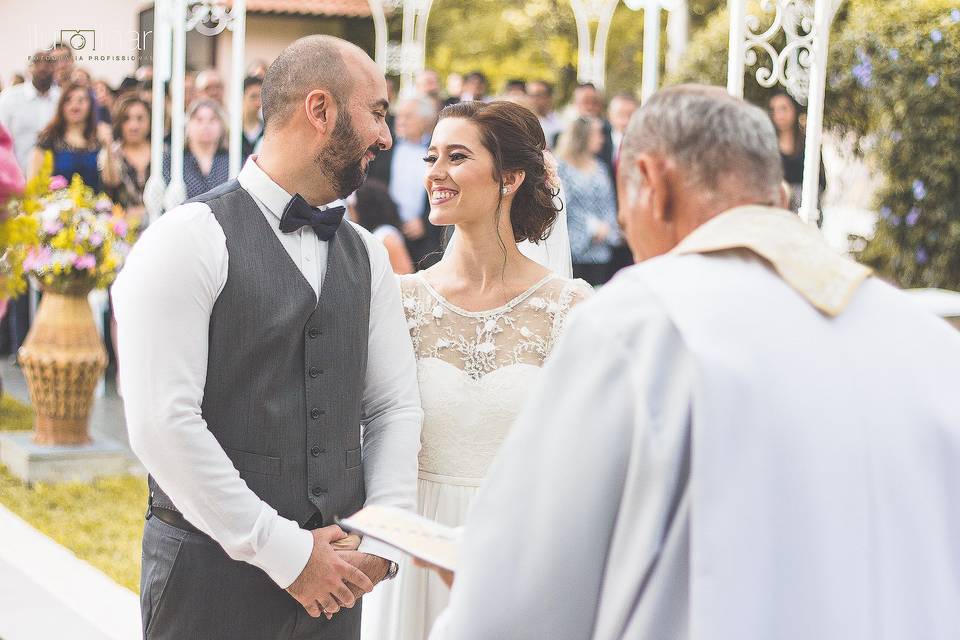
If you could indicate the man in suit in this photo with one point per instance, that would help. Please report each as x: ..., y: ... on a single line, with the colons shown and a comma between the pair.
x: 401, y: 169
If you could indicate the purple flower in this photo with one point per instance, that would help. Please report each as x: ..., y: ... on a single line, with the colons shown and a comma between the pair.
x: 863, y: 73
x: 912, y: 216
x: 37, y: 258
x: 894, y: 54
x: 894, y: 221
x: 52, y: 227
x: 88, y: 262
x: 919, y: 190
x: 885, y: 212
x: 120, y: 227
x: 936, y: 35
x: 58, y: 182
x: 896, y: 136
x: 921, y: 255
x: 955, y: 15
x: 95, y: 239
x: 933, y: 80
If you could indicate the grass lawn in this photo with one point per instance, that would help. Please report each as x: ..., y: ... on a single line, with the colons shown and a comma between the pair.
x: 101, y: 521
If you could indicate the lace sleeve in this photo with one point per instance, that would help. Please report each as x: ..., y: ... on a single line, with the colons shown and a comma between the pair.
x: 573, y: 293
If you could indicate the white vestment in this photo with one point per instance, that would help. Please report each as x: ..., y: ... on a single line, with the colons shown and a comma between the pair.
x: 726, y: 446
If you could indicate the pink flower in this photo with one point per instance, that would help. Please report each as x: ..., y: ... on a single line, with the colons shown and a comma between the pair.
x: 104, y: 204
x: 88, y: 262
x: 58, y: 182
x: 37, y: 258
x: 52, y: 227
x: 120, y: 227
x: 95, y: 239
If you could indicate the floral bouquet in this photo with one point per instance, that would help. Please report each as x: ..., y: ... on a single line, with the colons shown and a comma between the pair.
x: 71, y: 240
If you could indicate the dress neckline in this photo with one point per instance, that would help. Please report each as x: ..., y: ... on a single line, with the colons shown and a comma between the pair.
x: 486, y: 312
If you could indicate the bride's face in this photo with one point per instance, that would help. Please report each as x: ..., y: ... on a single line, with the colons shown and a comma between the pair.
x: 459, y: 175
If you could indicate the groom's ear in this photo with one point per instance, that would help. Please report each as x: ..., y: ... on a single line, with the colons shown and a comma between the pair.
x: 321, y: 110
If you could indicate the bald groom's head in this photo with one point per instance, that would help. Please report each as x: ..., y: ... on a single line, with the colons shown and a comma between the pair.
x: 324, y: 106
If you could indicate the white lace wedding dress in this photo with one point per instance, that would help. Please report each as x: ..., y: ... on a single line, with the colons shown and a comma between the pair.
x: 475, y: 370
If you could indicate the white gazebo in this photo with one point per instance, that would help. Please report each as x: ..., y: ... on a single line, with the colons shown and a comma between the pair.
x: 800, y: 66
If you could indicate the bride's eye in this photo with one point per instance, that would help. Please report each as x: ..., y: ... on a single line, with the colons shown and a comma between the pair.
x: 430, y: 159
x: 457, y: 157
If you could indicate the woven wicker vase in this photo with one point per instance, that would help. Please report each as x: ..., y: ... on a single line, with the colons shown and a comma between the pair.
x: 62, y: 359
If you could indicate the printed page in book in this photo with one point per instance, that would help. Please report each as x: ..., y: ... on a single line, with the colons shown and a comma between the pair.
x: 411, y: 533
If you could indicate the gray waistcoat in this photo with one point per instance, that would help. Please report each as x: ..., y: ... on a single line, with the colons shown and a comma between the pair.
x: 284, y: 374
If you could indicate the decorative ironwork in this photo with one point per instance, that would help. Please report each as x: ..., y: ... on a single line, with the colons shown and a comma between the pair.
x: 790, y: 66
x: 210, y: 18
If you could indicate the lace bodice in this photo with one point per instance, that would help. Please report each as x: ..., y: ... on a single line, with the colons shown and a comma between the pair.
x: 475, y: 369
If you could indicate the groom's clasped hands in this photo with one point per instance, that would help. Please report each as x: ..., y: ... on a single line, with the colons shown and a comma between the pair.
x: 335, y: 577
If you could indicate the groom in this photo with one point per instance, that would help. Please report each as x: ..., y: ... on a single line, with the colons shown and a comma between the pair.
x: 258, y: 332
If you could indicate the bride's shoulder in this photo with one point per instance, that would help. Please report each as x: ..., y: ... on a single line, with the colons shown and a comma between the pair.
x: 561, y: 293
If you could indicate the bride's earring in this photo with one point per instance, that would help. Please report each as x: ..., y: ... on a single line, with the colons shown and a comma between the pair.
x: 504, y: 190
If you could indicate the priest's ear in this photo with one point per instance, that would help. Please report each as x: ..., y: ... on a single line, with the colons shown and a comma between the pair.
x: 655, y: 174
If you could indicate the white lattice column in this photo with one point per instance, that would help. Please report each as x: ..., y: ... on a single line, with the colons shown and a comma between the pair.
x: 176, y: 191
x: 592, y: 53
x: 810, y: 195
x: 381, y: 34
x: 650, y: 79
x: 413, y: 43
x: 162, y: 52
x: 237, y: 23
x: 800, y: 67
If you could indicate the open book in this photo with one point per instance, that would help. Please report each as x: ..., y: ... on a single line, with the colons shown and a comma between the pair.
x: 413, y: 534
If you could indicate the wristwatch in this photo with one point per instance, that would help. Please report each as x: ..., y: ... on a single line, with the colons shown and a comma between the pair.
x: 392, y: 571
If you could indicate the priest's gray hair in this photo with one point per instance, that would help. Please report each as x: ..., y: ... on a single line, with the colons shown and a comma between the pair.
x: 720, y: 143
x: 313, y: 62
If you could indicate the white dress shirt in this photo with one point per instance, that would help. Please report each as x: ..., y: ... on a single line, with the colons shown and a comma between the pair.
x: 163, y: 300
x: 24, y: 111
x: 406, y: 178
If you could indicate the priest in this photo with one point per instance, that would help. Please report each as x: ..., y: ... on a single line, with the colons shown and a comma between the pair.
x: 743, y: 437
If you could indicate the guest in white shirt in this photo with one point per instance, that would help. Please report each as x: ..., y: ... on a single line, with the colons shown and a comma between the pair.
x: 401, y: 169
x: 541, y: 95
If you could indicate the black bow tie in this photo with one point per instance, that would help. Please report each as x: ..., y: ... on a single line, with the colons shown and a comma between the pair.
x: 298, y: 214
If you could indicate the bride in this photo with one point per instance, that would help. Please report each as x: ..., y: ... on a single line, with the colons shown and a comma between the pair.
x: 482, y: 321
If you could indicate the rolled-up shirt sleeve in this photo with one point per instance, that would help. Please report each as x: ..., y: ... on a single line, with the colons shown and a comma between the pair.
x: 163, y: 299
x: 391, y: 412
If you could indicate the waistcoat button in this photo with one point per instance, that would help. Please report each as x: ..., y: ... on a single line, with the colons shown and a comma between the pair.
x: 315, y: 371
x: 314, y: 413
x: 317, y: 491
x: 314, y: 332
x: 316, y: 451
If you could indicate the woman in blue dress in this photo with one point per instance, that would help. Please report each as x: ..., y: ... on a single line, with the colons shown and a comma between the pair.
x: 79, y: 146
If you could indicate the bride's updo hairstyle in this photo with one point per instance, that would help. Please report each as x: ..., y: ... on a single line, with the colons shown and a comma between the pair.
x: 513, y: 136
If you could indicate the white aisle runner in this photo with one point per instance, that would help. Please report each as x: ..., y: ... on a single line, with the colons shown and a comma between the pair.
x: 47, y: 592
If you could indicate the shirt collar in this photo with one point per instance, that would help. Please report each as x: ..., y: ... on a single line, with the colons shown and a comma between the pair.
x: 273, y: 196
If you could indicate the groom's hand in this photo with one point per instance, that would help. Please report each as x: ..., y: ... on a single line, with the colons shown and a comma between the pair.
x: 328, y: 581
x: 374, y: 567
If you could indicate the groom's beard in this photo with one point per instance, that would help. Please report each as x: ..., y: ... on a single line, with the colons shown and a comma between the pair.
x: 340, y: 162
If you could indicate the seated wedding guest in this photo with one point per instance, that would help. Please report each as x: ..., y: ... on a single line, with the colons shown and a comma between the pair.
x: 80, y: 76
x: 206, y: 163
x: 427, y: 85
x: 590, y: 201
x: 401, y: 169
x: 454, y: 87
x: 541, y: 95
x: 621, y: 109
x: 252, y: 120
x: 209, y: 85
x: 105, y: 98
x: 126, y: 179
x: 373, y: 209
x: 474, y: 87
x: 751, y: 469
x: 257, y: 69
x: 785, y: 113
x: 62, y: 56
x: 75, y: 139
x: 515, y: 88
